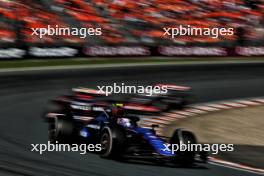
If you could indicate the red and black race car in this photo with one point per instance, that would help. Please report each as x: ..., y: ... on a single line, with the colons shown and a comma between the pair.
x: 90, y: 102
x: 175, y: 98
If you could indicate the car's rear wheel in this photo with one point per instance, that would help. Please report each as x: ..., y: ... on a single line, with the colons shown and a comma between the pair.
x: 60, y: 129
x: 52, y: 130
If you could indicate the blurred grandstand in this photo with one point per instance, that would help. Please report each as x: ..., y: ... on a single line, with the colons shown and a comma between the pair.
x: 131, y: 22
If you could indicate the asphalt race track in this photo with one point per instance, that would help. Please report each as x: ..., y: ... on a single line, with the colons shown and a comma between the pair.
x: 23, y: 97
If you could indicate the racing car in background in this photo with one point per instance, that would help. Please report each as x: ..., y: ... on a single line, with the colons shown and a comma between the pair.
x: 85, y: 101
x: 176, y: 98
x: 121, y: 137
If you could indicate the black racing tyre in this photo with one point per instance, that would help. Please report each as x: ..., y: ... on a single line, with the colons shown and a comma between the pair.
x: 61, y: 129
x: 184, y: 158
x: 111, y: 142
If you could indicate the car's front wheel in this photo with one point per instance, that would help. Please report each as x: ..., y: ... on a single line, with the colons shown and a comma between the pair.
x: 111, y: 143
x: 183, y: 137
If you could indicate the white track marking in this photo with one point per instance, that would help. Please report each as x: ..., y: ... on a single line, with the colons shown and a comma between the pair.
x: 233, y: 104
x: 219, y: 106
x: 248, y: 102
x: 236, y: 168
x: 174, y: 115
x: 206, y: 108
x: 196, y: 111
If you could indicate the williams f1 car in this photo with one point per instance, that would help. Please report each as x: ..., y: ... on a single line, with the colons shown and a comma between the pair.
x: 120, y: 136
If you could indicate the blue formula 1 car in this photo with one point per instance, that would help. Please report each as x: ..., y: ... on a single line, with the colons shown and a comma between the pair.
x: 121, y: 137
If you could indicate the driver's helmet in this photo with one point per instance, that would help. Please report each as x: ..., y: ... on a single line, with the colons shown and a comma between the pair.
x: 125, y: 122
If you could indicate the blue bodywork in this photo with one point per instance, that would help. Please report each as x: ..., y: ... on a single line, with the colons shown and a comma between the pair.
x: 156, y: 142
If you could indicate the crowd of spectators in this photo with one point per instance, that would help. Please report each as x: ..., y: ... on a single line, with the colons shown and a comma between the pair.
x: 132, y: 21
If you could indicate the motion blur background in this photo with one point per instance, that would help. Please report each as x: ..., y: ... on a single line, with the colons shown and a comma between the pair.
x: 129, y: 28
x: 131, y: 22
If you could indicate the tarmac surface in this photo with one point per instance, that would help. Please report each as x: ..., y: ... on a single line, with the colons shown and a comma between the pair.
x: 23, y: 97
